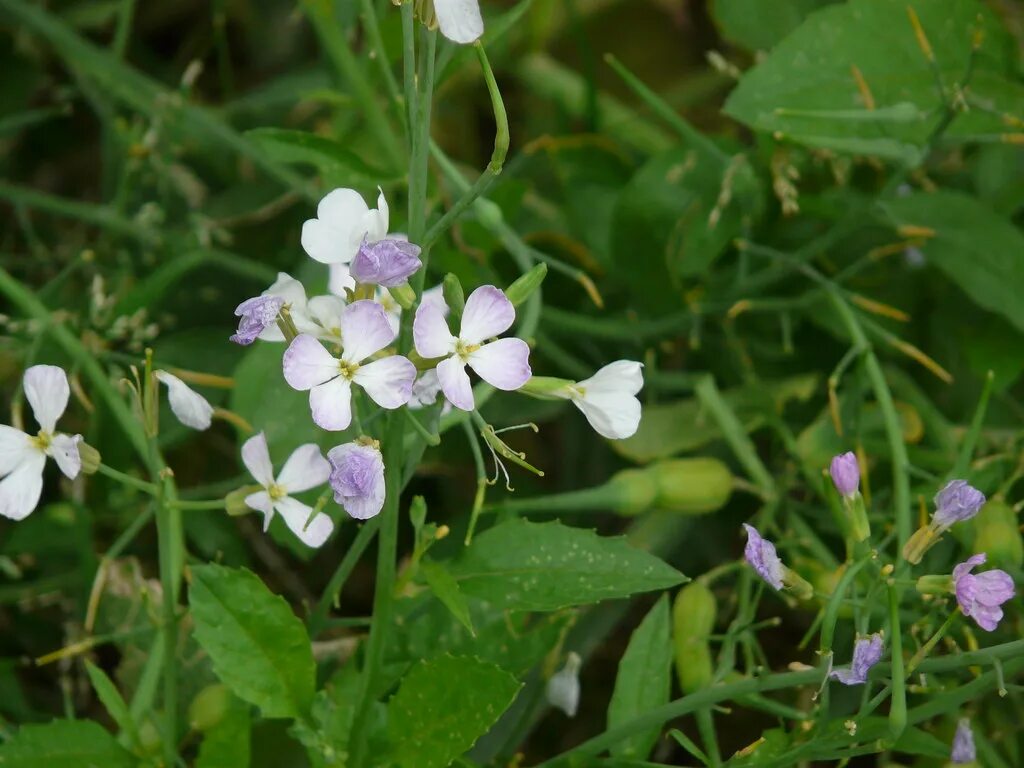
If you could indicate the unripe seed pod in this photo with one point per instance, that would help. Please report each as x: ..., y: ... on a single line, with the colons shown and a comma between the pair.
x: 209, y: 707
x: 997, y: 534
x: 693, y: 619
x: 691, y: 486
x: 631, y: 491
x: 149, y: 738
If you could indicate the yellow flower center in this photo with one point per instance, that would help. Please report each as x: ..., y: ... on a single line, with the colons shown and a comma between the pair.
x: 42, y: 440
x: 464, y: 350
x: 348, y: 370
x: 276, y: 492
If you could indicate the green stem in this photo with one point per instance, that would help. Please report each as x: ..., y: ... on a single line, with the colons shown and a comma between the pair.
x: 319, y: 618
x: 963, y: 459
x: 927, y: 648
x: 197, y: 506
x: 125, y: 479
x: 898, y: 701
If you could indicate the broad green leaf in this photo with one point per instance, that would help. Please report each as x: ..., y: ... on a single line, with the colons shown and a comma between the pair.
x: 519, y: 565
x: 226, y: 745
x: 443, y: 706
x: 114, y: 702
x: 446, y: 589
x: 644, y: 680
x: 259, y: 648
x: 758, y: 25
x: 814, y: 72
x: 64, y: 744
x: 977, y: 249
x: 339, y: 166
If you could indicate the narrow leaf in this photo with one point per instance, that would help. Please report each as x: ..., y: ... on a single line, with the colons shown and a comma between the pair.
x: 446, y: 589
x: 64, y: 744
x: 114, y: 703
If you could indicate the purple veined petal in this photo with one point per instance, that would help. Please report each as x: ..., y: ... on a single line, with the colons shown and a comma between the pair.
x: 64, y: 451
x: 763, y: 558
x: 455, y: 384
x: 260, y: 501
x: 364, y: 330
x: 459, y: 20
x: 986, y: 616
x: 290, y: 290
x: 15, y: 447
x: 504, y: 364
x: 620, y: 377
x: 387, y: 262
x: 189, y: 407
x: 488, y: 313
x: 956, y: 502
x: 845, y: 473
x: 256, y: 458
x: 47, y: 391
x: 306, y: 468
x: 20, y: 490
x: 387, y: 381
x: 968, y: 565
x: 357, y: 478
x: 334, y: 235
x: 993, y: 587
x: 331, y: 404
x: 307, y: 363
x: 979, y: 596
x: 846, y: 676
x: 257, y: 314
x: 296, y: 516
x: 430, y: 332
x: 613, y: 415
x: 963, y: 750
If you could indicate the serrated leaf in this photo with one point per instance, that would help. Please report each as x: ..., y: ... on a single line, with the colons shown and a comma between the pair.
x: 258, y: 647
x: 520, y: 565
x: 644, y: 680
x: 113, y: 701
x: 65, y: 744
x: 226, y: 745
x: 446, y: 588
x: 443, y: 706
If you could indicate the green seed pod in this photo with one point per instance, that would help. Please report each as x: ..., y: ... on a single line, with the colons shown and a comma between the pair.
x: 630, y: 492
x: 997, y: 534
x: 691, y: 486
x: 693, y: 619
x: 209, y: 707
x: 149, y: 738
x: 524, y: 286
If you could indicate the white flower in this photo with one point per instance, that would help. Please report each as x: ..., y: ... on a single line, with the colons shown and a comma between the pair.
x: 608, y: 399
x: 191, y: 408
x: 459, y: 20
x: 22, y: 456
x: 564, y: 686
x: 306, y: 468
x: 343, y: 221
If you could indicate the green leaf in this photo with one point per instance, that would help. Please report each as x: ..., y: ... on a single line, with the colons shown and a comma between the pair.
x: 811, y: 73
x: 226, y: 745
x: 644, y: 681
x: 526, y: 566
x: 446, y: 589
x: 64, y: 744
x: 443, y: 706
x: 339, y: 166
x: 259, y: 648
x: 757, y: 25
x: 114, y: 702
x: 977, y: 249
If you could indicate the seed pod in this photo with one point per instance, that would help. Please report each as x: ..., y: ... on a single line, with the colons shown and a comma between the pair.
x: 997, y: 534
x: 693, y: 619
x: 631, y: 492
x: 208, y: 707
x: 691, y: 486
x: 525, y: 285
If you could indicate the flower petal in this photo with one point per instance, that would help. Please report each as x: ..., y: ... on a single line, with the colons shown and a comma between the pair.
x: 993, y: 587
x: 47, y: 391
x: 256, y: 457
x: 307, y: 363
x: 504, y: 363
x: 64, y: 450
x: 430, y: 332
x: 20, y: 490
x: 459, y: 20
x: 331, y: 404
x: 364, y: 330
x: 451, y: 373
x: 326, y: 311
x: 488, y: 313
x: 191, y: 408
x: 306, y: 468
x: 387, y: 381
x: 15, y: 447
x: 312, y: 533
x: 340, y: 278
x: 621, y: 376
x: 614, y: 416
x: 260, y: 501
x: 335, y: 234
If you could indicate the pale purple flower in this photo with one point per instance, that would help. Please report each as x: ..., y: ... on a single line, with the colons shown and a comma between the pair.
x: 980, y: 595
x: 845, y: 473
x: 190, y: 408
x: 306, y: 468
x: 761, y: 555
x: 866, y: 653
x: 364, y: 331
x: 608, y: 399
x: 343, y: 221
x: 956, y: 502
x: 504, y: 363
x: 23, y: 456
x: 963, y: 744
x: 256, y: 314
x: 357, y: 478
x: 387, y: 262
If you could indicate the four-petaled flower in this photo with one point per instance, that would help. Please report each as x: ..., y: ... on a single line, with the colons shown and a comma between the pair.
x: 357, y: 478
x: 504, y: 363
x: 963, y: 744
x: 306, y: 468
x: 191, y: 408
x: 845, y: 472
x: 956, y: 502
x: 23, y: 456
x: 980, y: 595
x: 867, y: 651
x: 608, y: 399
x: 459, y: 20
x: 389, y: 262
x: 364, y: 330
x: 343, y: 221
x: 763, y: 558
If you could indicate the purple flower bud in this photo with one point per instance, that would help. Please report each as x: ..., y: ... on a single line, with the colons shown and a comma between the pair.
x: 956, y: 502
x: 761, y: 555
x: 963, y: 743
x: 357, y: 478
x: 845, y: 473
x: 386, y: 262
x: 866, y: 653
x: 981, y: 595
x: 256, y: 314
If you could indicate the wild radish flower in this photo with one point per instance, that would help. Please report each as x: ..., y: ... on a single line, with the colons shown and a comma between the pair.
x: 963, y: 744
x: 867, y: 651
x: 389, y: 262
x: 563, y: 688
x: 293, y: 298
x: 22, y: 456
x: 504, y: 363
x: 357, y: 478
x: 845, y: 472
x: 306, y: 468
x: 608, y: 399
x: 956, y: 502
x: 191, y: 408
x: 257, y: 314
x: 981, y: 595
x: 765, y: 561
x: 343, y: 221
x: 364, y: 331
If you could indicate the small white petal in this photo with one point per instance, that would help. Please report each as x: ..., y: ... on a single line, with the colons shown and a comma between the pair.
x: 20, y: 490
x: 615, y: 416
x: 425, y: 390
x: 331, y: 404
x: 621, y: 376
x: 430, y: 332
x: 325, y: 312
x: 294, y: 295
x: 459, y: 20
x: 504, y: 363
x: 387, y: 381
x: 256, y: 457
x: 364, y: 330
x: 296, y: 515
x: 260, y: 501
x: 451, y: 373
x: 306, y: 468
x: 333, y: 237
x: 488, y: 313
x: 563, y: 689
x: 47, y: 391
x: 340, y: 278
x: 15, y: 447
x: 64, y: 451
x: 191, y: 408
x: 307, y: 363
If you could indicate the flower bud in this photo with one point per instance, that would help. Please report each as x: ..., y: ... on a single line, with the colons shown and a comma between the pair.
x: 691, y: 486
x: 454, y: 297
x: 997, y: 533
x: 524, y: 286
x: 90, y: 458
x: 845, y: 472
x: 631, y: 492
x: 209, y: 707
